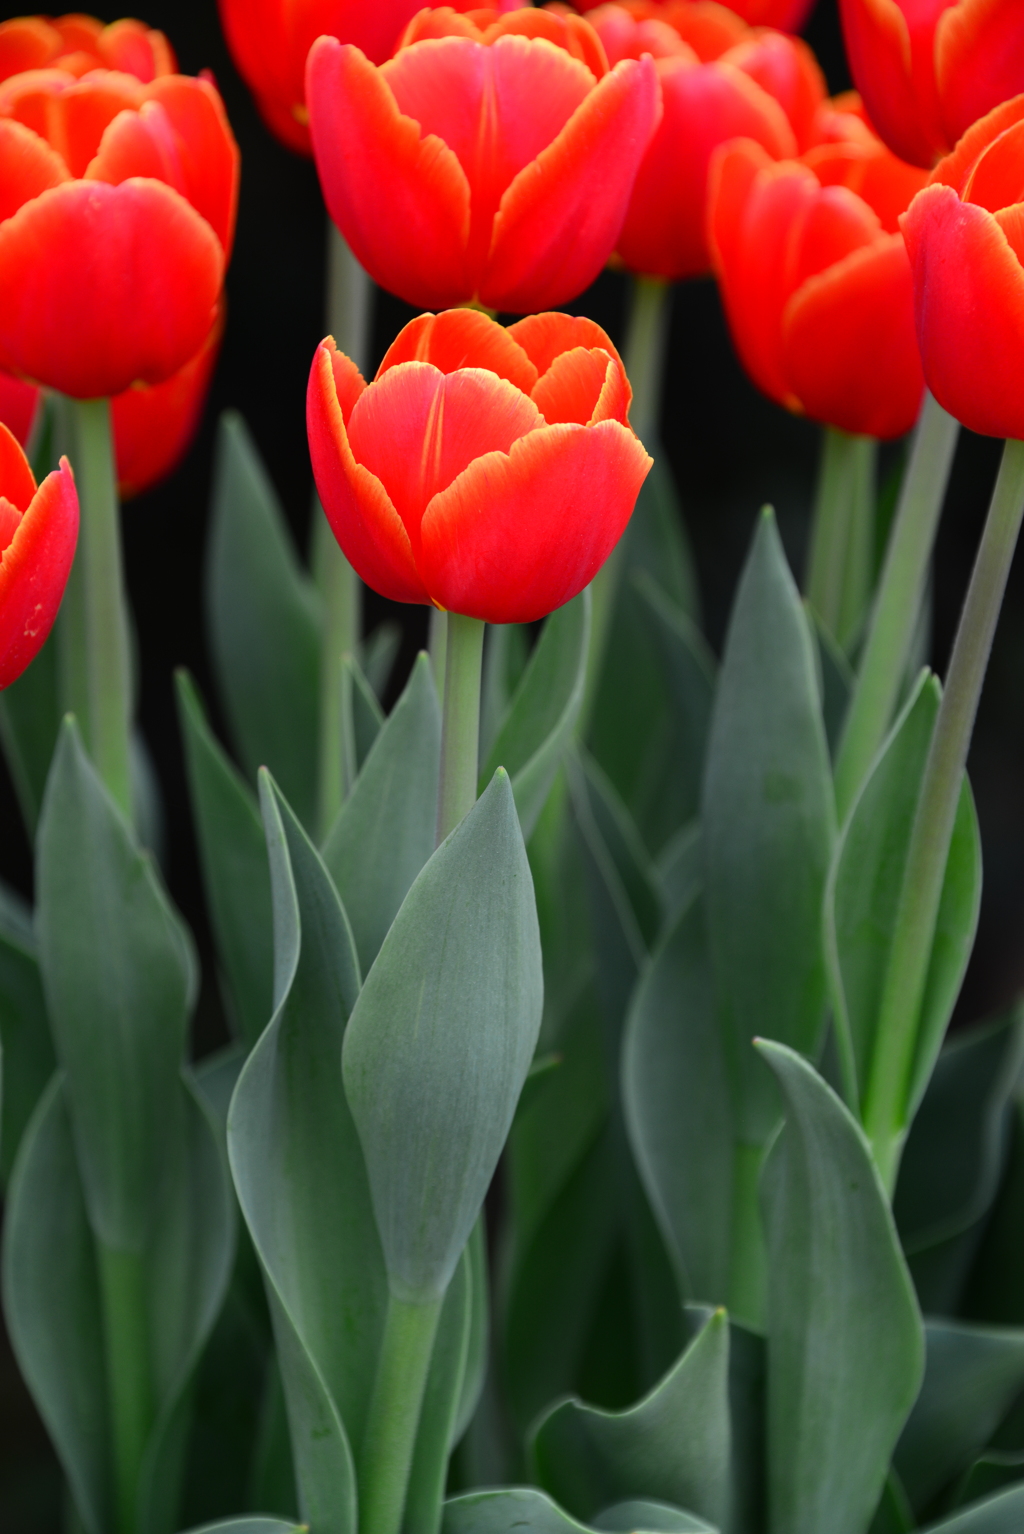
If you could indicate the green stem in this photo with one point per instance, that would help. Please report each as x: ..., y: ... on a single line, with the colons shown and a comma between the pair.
x: 897, y: 600
x: 437, y: 644
x: 394, y: 1413
x: 349, y: 301
x: 460, y: 722
x: 129, y: 1380
x: 889, y: 1086
x: 748, y: 1267
x: 840, y: 555
x: 100, y: 600
x: 342, y: 598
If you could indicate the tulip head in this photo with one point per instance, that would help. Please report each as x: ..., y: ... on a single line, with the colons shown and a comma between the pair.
x: 927, y: 69
x: 787, y: 15
x: 489, y: 162
x: 38, y: 533
x: 487, y: 471
x: 78, y: 44
x: 965, y: 236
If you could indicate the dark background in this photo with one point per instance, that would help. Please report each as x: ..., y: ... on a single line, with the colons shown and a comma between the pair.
x: 730, y: 449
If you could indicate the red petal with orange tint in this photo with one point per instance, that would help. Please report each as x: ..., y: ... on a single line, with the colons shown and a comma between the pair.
x: 17, y: 482
x: 572, y: 386
x: 956, y: 168
x: 153, y: 427
x: 105, y: 285
x: 979, y: 60
x: 786, y: 68
x: 969, y: 302
x: 462, y: 338
x: 34, y: 569
x: 544, y: 337
x: 28, y: 166
x: 997, y: 180
x: 19, y: 403
x: 882, y: 62
x: 27, y: 42
x: 207, y: 150
x: 516, y: 536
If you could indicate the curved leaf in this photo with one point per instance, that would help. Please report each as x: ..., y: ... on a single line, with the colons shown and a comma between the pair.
x: 250, y: 1526
x: 28, y: 1061
x: 516, y: 1508
x: 1002, y: 1514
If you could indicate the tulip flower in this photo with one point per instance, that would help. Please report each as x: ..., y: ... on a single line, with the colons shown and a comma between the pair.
x: 766, y: 87
x: 117, y: 212
x: 78, y: 44
x: 787, y: 15
x: 489, y: 472
x: 19, y: 406
x: 965, y: 235
x: 816, y: 282
x: 927, y: 69
x: 38, y: 531
x: 496, y: 166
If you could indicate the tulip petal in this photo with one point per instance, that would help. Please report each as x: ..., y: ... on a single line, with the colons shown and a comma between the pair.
x: 563, y: 28
x: 955, y: 169
x: 28, y: 166
x: 850, y: 327
x: 17, y: 482
x: 26, y: 42
x: 969, y: 300
x: 979, y: 60
x: 893, y: 73
x: 516, y: 536
x: 19, y: 405
x: 997, y: 180
x: 400, y: 200
x: 34, y: 569
x: 786, y: 68
x: 207, y: 150
x: 105, y: 285
x: 364, y: 521
x: 572, y: 386
x: 835, y: 224
x: 559, y: 220
x: 462, y: 338
x: 544, y: 337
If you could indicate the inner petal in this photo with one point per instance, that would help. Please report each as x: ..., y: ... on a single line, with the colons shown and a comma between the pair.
x: 17, y: 483
x: 139, y: 143
x: 571, y: 387
x: 837, y: 222
x: 28, y: 166
x: 10, y: 520
x: 997, y: 180
x: 462, y: 338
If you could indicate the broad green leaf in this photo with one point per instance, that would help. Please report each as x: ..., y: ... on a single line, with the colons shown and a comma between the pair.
x: 440, y: 1041
x: 251, y: 1526
x: 690, y: 670
x: 263, y: 619
x: 478, y: 1343
x: 632, y: 862
x: 768, y: 824
x: 506, y: 652
x: 524, y: 1510
x: 893, y: 1515
x: 233, y: 858
x: 836, y: 680
x: 680, y: 870
x: 300, y: 1177
x: 991, y: 1472
x: 378, y: 653
x: 384, y: 832
x: 367, y: 714
x: 28, y: 1061
x: 441, y: 1399
x: 972, y: 1376
x: 29, y: 721
x: 617, y: 942
x: 642, y: 1514
x: 845, y: 1343
x: 678, y: 1108
x: 864, y: 891
x: 118, y: 974
x: 674, y: 1446
x: 1001, y: 1514
x: 542, y: 714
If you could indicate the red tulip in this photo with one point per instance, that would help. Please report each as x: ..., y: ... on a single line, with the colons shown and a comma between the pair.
x: 816, y: 282
x: 38, y: 532
x: 496, y: 167
x: 965, y: 235
x: 927, y: 69
x: 767, y: 87
x: 487, y: 471
x: 78, y: 44
x: 787, y: 15
x: 19, y: 406
x: 117, y: 212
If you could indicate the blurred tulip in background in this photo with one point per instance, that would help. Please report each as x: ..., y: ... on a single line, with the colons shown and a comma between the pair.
x: 38, y: 532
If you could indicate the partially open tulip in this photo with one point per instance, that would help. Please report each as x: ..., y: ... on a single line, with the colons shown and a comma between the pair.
x: 117, y: 212
x: 487, y: 471
x: 78, y: 44
x: 787, y: 15
x: 767, y: 87
x: 927, y: 69
x: 816, y: 282
x: 38, y: 532
x: 495, y: 166
x: 965, y: 235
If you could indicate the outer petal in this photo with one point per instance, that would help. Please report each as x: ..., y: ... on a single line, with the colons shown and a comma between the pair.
x: 892, y: 72
x: 969, y: 303
x: 849, y: 347
x: 462, y: 338
x: 979, y: 60
x: 516, y: 536
x: 27, y: 42
x: 17, y: 482
x: 28, y: 166
x: 19, y: 402
x: 362, y: 517
x: 560, y: 218
x: 206, y: 145
x: 401, y: 201
x: 34, y: 569
x: 106, y: 285
x: 786, y: 68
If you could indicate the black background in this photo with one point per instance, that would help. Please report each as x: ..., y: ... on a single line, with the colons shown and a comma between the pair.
x: 731, y: 450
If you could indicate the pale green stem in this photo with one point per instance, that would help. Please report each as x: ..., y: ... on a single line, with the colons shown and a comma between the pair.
x: 437, y: 644
x: 100, y: 677
x: 394, y: 1414
x: 349, y: 301
x: 889, y: 1085
x: 840, y: 556
x: 460, y: 722
x: 897, y: 601
x: 129, y: 1376
x: 748, y: 1260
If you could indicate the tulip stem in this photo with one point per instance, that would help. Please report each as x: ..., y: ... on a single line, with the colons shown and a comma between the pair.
x: 394, y: 1414
x: 890, y: 1084
x: 342, y: 603
x: 838, y: 581
x: 437, y: 644
x: 349, y: 301
x: 104, y: 670
x: 897, y: 603
x: 129, y: 1381
x: 460, y: 722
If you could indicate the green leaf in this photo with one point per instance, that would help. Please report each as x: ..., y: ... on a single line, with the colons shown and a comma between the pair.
x: 119, y: 978
x: 991, y: 1472
x: 384, y: 832
x: 233, y: 858
x: 263, y: 619
x: 478, y: 1344
x: 845, y: 1344
x: 680, y: 870
x: 28, y: 1061
x: 972, y: 1376
x: 367, y: 714
x: 627, y: 1516
x: 441, y: 1399
x: 378, y: 653
x: 995, y: 1291
x: 673, y: 1446
x: 506, y: 652
x: 690, y: 670
x: 678, y: 1108
x: 29, y: 722
x: 637, y: 874
x: 543, y: 712
x: 768, y: 824
x: 864, y: 890
x: 1002, y: 1514
x: 301, y: 1182
x: 251, y: 1526
x: 836, y: 680
x: 440, y: 1041
x: 522, y: 1508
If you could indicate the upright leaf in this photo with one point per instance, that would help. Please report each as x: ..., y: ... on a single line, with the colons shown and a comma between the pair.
x: 690, y: 670
x: 441, y: 1398
x: 29, y: 722
x: 28, y: 1061
x: 845, y: 1344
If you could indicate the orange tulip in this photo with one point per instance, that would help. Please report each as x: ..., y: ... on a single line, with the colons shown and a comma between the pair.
x: 787, y: 15
x: 965, y: 235
x: 38, y: 533
x: 78, y: 44
x: 487, y: 471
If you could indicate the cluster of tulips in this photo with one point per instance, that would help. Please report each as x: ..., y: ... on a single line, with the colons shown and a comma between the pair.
x: 669, y: 944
